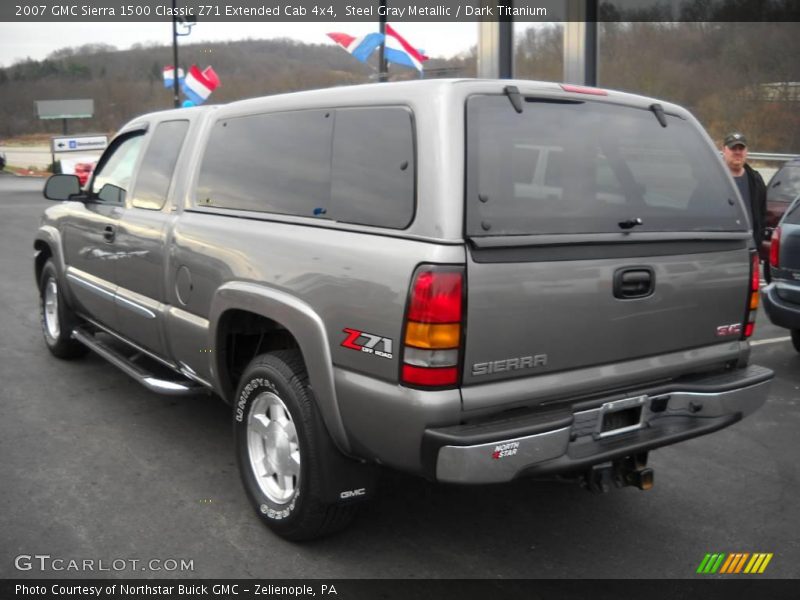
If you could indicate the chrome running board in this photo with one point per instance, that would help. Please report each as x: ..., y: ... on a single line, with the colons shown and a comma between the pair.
x: 177, y: 387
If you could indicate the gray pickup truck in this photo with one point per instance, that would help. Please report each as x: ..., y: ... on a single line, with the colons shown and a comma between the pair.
x: 472, y: 281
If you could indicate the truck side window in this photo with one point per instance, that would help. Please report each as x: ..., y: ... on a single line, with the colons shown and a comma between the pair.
x: 373, y: 167
x: 158, y: 165
x: 277, y: 163
x: 113, y: 176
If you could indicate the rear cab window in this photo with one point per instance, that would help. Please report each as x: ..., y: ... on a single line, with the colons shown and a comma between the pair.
x: 575, y: 167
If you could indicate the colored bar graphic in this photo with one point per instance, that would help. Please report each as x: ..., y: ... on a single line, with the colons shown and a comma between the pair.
x: 741, y: 562
x: 730, y: 564
x: 702, y: 567
x: 752, y: 564
x: 765, y: 563
x: 718, y: 563
x: 726, y: 568
x: 749, y: 566
x: 760, y: 558
x: 734, y: 563
x: 711, y: 562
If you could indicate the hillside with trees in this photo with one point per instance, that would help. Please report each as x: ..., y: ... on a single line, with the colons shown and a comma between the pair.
x: 730, y: 75
x: 126, y: 83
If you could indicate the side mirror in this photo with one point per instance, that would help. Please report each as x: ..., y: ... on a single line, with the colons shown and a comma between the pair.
x: 111, y: 194
x: 62, y: 187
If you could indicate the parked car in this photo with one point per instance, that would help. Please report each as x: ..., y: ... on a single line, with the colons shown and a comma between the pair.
x: 782, y: 189
x: 468, y: 280
x: 83, y: 171
x: 782, y: 296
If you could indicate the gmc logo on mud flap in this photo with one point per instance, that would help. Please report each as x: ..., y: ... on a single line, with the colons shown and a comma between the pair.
x: 353, y: 493
x: 733, y: 329
x: 367, y: 343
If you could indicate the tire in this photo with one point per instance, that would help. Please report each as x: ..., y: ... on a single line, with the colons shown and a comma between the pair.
x: 278, y: 438
x: 796, y: 339
x: 56, y: 317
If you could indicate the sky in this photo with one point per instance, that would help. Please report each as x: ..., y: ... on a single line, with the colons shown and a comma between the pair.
x: 36, y: 40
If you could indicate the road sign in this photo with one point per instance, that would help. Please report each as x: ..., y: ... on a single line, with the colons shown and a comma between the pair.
x: 78, y: 143
x: 64, y: 109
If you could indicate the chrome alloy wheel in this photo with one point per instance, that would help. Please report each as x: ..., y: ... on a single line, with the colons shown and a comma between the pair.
x: 51, y: 309
x: 273, y: 448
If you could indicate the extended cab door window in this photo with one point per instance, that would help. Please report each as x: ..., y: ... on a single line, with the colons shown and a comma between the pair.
x: 158, y: 165
x: 112, y: 178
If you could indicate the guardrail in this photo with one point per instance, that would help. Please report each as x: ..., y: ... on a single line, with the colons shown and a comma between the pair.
x: 771, y: 156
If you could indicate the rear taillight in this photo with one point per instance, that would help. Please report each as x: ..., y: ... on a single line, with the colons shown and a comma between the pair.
x: 775, y: 248
x: 752, y: 298
x: 433, y: 329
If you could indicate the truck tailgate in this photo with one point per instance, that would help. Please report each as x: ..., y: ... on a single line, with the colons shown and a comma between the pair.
x: 531, y: 317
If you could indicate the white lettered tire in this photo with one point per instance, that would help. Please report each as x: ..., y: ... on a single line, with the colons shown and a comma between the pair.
x: 278, y: 437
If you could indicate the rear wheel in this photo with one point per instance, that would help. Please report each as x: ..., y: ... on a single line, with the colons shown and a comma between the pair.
x: 278, y: 438
x: 57, y: 319
x: 796, y: 339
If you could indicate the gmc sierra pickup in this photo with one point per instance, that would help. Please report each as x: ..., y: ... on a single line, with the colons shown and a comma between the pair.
x: 472, y: 281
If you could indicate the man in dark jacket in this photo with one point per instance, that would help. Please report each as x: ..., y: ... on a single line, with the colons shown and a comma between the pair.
x: 749, y: 181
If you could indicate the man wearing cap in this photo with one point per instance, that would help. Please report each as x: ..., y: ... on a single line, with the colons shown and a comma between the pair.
x: 748, y: 180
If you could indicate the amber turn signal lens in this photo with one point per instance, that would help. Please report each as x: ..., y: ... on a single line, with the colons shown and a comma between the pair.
x: 430, y: 335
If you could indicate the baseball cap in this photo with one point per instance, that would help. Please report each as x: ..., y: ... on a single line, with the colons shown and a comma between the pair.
x: 734, y: 138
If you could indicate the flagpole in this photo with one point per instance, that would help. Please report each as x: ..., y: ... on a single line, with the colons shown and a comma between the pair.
x: 383, y: 75
x: 176, y: 84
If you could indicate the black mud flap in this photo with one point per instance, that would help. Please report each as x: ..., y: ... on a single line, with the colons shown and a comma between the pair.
x: 344, y: 479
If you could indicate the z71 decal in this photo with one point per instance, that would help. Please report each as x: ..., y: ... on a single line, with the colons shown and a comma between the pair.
x: 368, y: 343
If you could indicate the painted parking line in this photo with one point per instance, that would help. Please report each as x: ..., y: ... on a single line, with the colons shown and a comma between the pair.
x: 771, y: 341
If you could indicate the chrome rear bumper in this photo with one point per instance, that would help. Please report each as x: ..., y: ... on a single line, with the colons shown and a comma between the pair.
x: 562, y: 441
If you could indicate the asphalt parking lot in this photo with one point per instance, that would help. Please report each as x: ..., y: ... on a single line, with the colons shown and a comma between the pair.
x: 94, y: 467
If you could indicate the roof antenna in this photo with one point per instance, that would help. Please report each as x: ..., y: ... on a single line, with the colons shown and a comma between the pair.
x: 658, y: 111
x: 513, y: 94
